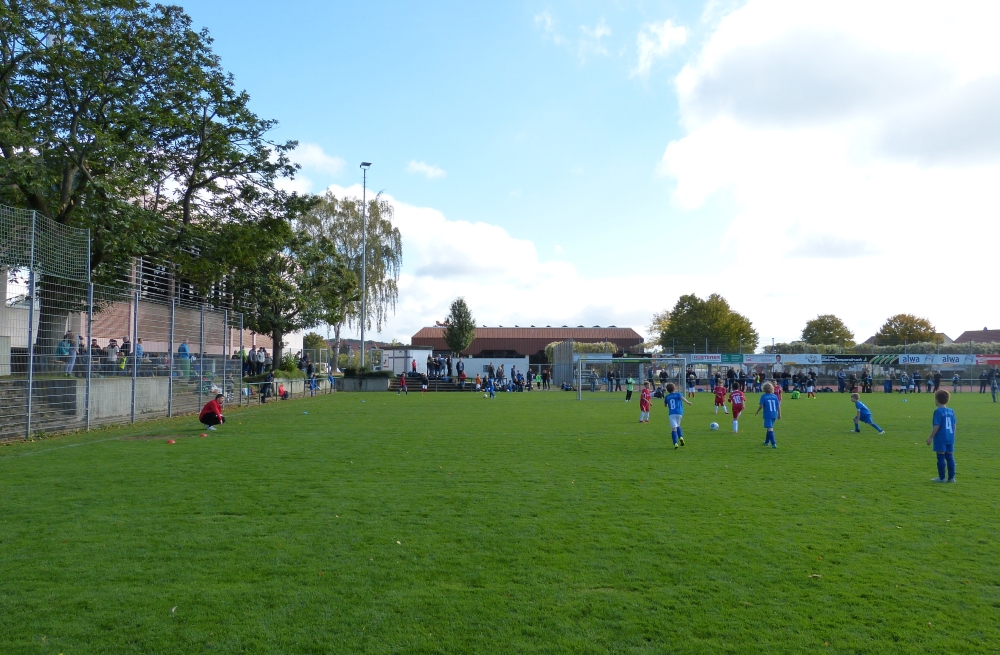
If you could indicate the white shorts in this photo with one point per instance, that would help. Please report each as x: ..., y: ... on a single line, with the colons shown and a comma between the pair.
x: 809, y: 390
x: 675, y: 420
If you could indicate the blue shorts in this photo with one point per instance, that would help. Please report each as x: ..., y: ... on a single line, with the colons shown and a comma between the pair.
x: 941, y: 445
x: 866, y: 418
x: 769, y: 422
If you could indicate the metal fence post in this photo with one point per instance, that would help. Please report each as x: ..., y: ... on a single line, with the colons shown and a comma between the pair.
x: 242, y: 364
x: 201, y: 358
x: 31, y: 326
x: 170, y: 360
x: 135, y: 348
x: 90, y: 351
x: 225, y: 349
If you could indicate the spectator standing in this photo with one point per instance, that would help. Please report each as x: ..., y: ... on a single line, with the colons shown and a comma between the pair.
x: 113, y: 351
x: 841, y: 381
x: 184, y: 359
x: 983, y: 381
x: 937, y: 380
x: 915, y: 379
x: 448, y: 364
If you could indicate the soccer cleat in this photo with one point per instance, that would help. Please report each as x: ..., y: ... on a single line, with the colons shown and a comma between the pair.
x: 211, y: 427
x: 938, y: 480
x: 774, y: 446
x: 681, y: 439
x: 952, y: 480
x: 882, y: 432
x: 676, y: 446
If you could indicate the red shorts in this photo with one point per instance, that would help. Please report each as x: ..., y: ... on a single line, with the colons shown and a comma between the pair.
x: 643, y: 408
x: 720, y: 402
x: 737, y: 410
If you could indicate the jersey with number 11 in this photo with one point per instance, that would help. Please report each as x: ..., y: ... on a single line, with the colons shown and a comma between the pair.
x: 770, y: 404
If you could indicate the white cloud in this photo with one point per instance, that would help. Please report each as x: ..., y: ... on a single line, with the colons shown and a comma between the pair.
x: 858, y: 142
x: 547, y: 22
x: 655, y: 41
x: 427, y: 170
x: 591, y: 42
x: 506, y: 282
x: 312, y: 157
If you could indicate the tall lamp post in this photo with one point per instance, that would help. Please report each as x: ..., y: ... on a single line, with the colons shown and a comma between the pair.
x: 364, y: 251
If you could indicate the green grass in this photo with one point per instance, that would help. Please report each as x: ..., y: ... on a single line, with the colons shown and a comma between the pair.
x: 529, y: 524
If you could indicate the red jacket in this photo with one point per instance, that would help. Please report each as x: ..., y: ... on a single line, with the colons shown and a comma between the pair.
x: 211, y: 407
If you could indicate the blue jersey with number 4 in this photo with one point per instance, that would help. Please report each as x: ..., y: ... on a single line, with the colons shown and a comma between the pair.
x: 770, y: 404
x: 861, y: 408
x: 944, y: 418
x: 675, y: 402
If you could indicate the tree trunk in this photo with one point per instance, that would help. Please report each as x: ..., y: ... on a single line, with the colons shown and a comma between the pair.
x: 276, y: 349
x: 336, y: 348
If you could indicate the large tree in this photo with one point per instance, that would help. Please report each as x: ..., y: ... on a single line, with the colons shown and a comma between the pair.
x: 906, y: 328
x: 295, y: 287
x: 461, y: 328
x: 115, y: 115
x: 827, y: 329
x: 340, y: 220
x: 693, y: 320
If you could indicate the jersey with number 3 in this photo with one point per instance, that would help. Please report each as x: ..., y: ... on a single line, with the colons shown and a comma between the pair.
x: 944, y: 418
x: 770, y: 404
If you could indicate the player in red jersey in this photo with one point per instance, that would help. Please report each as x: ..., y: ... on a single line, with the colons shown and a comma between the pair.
x: 777, y: 392
x: 720, y: 398
x: 738, y: 402
x: 644, y: 397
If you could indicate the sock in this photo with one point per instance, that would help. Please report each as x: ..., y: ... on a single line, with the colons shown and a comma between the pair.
x: 875, y: 425
x: 941, y: 465
x: 949, y: 459
x: 673, y: 435
x: 680, y: 433
x: 736, y: 425
x: 724, y: 410
x: 857, y: 427
x: 770, y: 437
x: 716, y: 409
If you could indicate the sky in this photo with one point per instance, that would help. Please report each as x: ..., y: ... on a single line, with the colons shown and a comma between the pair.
x: 587, y: 163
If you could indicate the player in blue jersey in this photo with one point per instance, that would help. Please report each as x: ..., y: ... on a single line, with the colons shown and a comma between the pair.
x: 864, y: 415
x: 943, y: 436
x: 674, y: 402
x: 772, y: 412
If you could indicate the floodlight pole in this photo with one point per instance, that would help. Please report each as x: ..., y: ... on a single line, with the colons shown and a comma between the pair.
x: 364, y: 250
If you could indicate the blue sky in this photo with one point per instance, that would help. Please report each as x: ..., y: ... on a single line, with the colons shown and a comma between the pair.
x: 589, y: 162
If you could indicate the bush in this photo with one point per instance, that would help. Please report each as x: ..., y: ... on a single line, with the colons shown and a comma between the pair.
x: 352, y: 372
x: 582, y: 347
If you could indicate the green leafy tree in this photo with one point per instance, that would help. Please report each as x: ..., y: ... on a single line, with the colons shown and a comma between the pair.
x: 294, y: 288
x: 313, y: 341
x: 115, y: 115
x: 461, y: 328
x: 693, y: 320
x: 340, y: 220
x: 827, y: 329
x: 906, y: 328
x: 657, y: 326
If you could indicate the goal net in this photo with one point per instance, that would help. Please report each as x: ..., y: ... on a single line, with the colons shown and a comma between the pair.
x: 606, y: 378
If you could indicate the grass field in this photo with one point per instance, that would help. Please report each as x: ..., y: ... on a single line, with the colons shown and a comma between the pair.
x: 532, y: 523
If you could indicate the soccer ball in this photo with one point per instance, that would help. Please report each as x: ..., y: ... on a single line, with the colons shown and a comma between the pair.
x: 713, y: 426
x: 486, y: 395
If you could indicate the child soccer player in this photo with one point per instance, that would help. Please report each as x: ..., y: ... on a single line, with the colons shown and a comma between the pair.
x: 675, y: 401
x: 777, y: 392
x: 644, y: 397
x: 402, y: 385
x: 720, y: 396
x: 810, y: 388
x: 864, y: 415
x: 738, y: 401
x: 772, y: 412
x: 490, y: 387
x: 943, y: 436
x: 629, y: 382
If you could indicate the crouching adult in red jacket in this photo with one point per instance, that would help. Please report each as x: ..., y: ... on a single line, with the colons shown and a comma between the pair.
x: 211, y: 413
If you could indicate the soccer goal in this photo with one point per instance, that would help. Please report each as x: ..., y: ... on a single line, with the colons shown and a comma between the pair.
x: 606, y: 378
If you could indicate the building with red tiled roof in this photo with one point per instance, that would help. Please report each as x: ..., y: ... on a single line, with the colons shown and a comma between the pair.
x: 979, y: 336
x: 528, y: 341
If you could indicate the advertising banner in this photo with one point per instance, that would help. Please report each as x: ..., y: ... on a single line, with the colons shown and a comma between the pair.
x: 703, y: 359
x: 937, y: 360
x: 758, y: 359
x: 732, y: 358
x: 988, y: 360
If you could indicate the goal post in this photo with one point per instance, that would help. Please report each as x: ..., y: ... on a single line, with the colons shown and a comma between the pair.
x: 599, y: 377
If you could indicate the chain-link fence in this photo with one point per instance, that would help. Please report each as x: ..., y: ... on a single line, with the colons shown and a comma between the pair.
x: 75, y: 354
